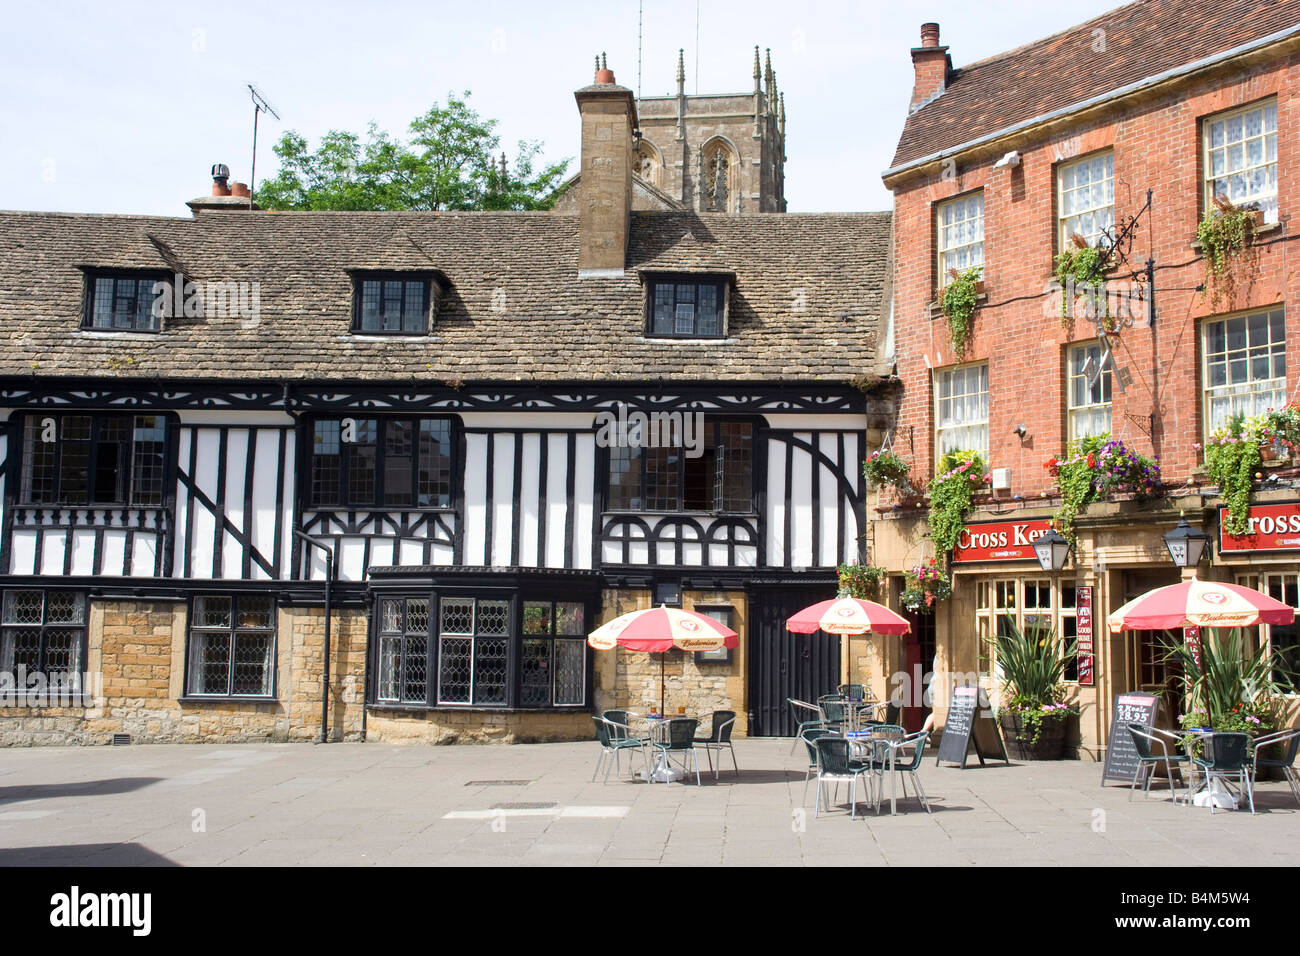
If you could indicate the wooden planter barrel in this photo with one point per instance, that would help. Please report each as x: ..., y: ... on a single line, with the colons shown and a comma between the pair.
x: 1051, y: 739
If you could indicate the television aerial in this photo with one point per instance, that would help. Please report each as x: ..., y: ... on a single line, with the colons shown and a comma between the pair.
x: 260, y: 105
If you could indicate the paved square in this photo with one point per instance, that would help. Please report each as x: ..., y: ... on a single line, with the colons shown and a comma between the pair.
x: 376, y: 804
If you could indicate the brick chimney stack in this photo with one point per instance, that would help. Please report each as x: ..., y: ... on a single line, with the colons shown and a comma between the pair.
x: 226, y: 196
x: 605, y: 202
x: 932, y: 66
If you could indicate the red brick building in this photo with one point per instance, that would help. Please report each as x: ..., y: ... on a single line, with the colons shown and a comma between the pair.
x: 1000, y: 163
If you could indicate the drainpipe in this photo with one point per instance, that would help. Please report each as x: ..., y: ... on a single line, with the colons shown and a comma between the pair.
x: 325, y: 679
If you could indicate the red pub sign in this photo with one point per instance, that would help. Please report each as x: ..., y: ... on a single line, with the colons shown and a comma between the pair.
x: 1272, y: 528
x: 999, y: 540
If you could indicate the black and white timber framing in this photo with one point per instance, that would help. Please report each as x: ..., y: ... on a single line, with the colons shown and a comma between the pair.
x: 529, y: 485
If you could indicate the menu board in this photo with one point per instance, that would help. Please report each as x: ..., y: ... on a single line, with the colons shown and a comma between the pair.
x: 959, y: 731
x: 1083, y: 633
x: 1121, y: 756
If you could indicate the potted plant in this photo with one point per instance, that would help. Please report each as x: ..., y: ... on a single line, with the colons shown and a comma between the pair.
x: 1226, y: 233
x: 1279, y: 432
x: 1099, y: 466
x: 1033, y: 712
x: 1231, y: 459
x: 1081, y: 269
x: 958, y: 301
x: 924, y: 586
x: 952, y: 493
x: 860, y: 581
x: 886, y: 468
x: 1229, y: 687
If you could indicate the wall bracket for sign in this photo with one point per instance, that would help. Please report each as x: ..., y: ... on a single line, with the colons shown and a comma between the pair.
x: 963, y: 729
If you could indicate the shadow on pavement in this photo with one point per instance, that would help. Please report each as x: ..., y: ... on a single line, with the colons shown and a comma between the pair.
x: 87, y: 788
x: 87, y: 854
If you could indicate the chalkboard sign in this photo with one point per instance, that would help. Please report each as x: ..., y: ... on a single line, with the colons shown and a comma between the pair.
x: 1121, y: 756
x: 959, y: 731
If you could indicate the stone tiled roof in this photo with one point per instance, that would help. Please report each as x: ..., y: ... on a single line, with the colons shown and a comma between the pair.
x: 810, y: 292
x: 1141, y: 40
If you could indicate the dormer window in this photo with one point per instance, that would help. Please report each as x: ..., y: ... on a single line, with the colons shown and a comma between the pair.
x: 687, y: 306
x: 126, y: 301
x: 392, y: 303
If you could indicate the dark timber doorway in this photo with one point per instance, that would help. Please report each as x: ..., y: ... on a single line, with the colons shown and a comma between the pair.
x: 783, y: 665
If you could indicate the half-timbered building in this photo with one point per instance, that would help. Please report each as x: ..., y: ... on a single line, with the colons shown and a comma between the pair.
x: 376, y: 475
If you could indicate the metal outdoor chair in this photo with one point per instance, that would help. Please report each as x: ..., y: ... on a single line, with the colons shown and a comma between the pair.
x: 833, y: 764
x: 1144, y: 742
x: 614, y: 740
x: 796, y: 706
x: 908, y: 767
x: 1227, y: 757
x: 834, y: 710
x: 1289, y: 741
x: 680, y: 739
x: 719, y: 737
x: 855, y: 691
x: 809, y: 738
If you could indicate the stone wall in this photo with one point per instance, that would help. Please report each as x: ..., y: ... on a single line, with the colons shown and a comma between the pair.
x: 136, y: 659
x: 477, y: 726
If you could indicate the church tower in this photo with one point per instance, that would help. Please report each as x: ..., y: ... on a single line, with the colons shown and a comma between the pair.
x: 716, y: 153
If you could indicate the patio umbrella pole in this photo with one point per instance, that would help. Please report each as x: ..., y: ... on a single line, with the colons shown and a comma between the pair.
x: 661, y: 683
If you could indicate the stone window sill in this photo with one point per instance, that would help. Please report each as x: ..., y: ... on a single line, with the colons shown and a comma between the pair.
x: 228, y: 700
x: 444, y: 709
x: 936, y: 309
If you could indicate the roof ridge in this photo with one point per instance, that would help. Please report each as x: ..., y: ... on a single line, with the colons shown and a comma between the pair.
x: 1051, y: 36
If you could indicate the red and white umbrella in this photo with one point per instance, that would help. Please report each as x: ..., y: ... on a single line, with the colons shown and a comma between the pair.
x: 847, y: 616
x: 659, y: 629
x: 1199, y: 604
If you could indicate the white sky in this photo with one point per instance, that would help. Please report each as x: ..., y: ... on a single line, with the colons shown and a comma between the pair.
x: 122, y: 107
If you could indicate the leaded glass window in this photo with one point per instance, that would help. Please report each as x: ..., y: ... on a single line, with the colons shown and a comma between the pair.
x: 90, y: 459
x: 403, y: 631
x: 232, y: 646
x: 552, y: 660
x: 473, y: 651
x: 43, y: 633
x: 125, y: 302
x: 392, y: 305
x: 687, y: 307
x: 719, y: 479
x: 381, y: 462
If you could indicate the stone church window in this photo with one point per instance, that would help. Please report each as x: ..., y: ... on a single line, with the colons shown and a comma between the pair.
x: 717, y: 179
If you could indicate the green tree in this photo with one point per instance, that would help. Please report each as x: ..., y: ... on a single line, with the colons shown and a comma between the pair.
x: 449, y: 163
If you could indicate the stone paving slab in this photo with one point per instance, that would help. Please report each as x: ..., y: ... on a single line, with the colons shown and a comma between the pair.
x: 377, y: 804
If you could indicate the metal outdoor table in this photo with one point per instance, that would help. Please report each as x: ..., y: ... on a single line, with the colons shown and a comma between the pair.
x: 662, y: 771
x: 1211, y: 792
x: 879, y: 748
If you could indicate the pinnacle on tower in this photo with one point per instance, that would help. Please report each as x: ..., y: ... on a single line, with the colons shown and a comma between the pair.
x: 681, y: 66
x: 758, y: 75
